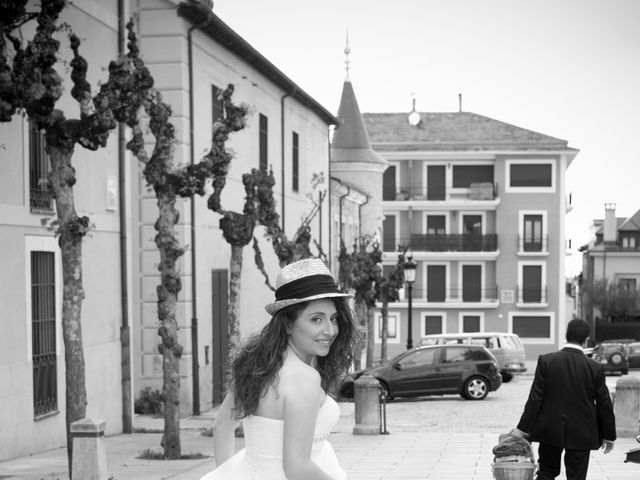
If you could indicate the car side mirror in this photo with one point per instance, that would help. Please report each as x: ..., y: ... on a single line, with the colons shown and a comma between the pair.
x: 397, y: 366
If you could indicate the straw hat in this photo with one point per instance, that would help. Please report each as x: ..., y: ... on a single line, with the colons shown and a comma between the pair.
x: 302, y: 281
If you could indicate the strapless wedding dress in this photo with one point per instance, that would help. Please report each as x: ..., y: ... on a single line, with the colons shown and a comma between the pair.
x: 261, y: 459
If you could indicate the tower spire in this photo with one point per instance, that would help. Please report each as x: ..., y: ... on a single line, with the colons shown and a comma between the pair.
x: 347, y: 51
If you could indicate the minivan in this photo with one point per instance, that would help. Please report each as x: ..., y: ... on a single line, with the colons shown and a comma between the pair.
x: 506, y: 347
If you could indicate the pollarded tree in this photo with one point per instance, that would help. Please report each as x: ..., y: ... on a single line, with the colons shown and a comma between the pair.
x: 30, y: 84
x: 361, y: 271
x: 133, y: 93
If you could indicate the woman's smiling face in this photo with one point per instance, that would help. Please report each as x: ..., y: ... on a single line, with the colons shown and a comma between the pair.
x: 315, y: 329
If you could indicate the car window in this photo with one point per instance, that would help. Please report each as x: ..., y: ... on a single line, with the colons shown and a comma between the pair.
x: 457, y: 354
x: 420, y: 357
x: 510, y: 342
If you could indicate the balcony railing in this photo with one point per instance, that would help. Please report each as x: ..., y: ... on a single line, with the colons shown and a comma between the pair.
x: 532, y: 294
x: 476, y: 191
x: 533, y: 245
x: 455, y: 294
x: 451, y: 243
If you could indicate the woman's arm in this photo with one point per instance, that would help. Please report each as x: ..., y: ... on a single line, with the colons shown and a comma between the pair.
x: 301, y: 405
x: 224, y: 428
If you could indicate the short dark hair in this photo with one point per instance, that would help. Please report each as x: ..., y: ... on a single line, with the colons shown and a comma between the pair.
x: 578, y: 331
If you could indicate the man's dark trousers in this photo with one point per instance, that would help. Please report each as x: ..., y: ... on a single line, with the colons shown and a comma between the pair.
x: 576, y: 462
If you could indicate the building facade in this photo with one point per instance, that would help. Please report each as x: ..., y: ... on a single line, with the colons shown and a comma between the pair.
x: 480, y: 205
x: 192, y: 55
x: 613, y: 254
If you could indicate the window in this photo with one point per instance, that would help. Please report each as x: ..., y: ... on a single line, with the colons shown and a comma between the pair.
x: 420, y: 358
x: 389, y: 183
x: 628, y: 240
x: 471, y: 323
x: 471, y: 283
x: 393, y: 336
x: 465, y: 175
x: 436, y: 224
x: 263, y: 142
x: 39, y: 196
x: 456, y: 354
x: 532, y: 233
x: 217, y: 107
x: 389, y: 233
x: 530, y: 326
x: 432, y: 324
x: 531, y: 175
x: 532, y: 284
x: 295, y: 173
x: 627, y: 284
x: 436, y: 283
x: 43, y: 332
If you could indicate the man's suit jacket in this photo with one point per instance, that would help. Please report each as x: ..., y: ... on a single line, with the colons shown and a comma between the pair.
x: 569, y: 405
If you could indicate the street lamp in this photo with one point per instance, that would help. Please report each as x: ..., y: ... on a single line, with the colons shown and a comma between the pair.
x: 410, y: 277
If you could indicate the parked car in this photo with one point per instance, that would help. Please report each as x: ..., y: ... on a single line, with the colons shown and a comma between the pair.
x: 634, y: 355
x: 613, y: 356
x: 468, y: 370
x: 506, y: 347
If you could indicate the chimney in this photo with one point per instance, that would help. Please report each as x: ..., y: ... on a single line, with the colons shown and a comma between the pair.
x: 610, y: 228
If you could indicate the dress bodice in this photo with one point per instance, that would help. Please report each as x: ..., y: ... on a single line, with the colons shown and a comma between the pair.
x: 264, y: 436
x: 261, y: 459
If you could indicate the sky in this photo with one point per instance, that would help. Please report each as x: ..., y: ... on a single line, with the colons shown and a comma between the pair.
x: 565, y: 68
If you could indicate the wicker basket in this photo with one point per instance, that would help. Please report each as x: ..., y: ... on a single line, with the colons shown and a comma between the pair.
x: 513, y: 470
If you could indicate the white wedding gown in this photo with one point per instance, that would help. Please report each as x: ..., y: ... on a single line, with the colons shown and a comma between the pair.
x: 261, y: 459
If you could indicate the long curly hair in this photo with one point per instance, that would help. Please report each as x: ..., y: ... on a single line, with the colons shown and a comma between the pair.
x: 256, y: 364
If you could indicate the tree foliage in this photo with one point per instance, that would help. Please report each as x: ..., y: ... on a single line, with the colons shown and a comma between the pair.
x: 615, y: 302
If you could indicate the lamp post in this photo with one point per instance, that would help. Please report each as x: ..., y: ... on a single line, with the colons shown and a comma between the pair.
x: 410, y: 277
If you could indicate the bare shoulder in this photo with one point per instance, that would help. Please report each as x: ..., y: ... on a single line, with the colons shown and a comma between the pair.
x: 297, y: 379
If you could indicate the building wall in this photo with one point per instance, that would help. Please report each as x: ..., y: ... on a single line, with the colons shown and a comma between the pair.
x: 21, y: 232
x: 164, y: 47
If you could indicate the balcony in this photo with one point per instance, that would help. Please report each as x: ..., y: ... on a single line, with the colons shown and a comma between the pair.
x: 451, y: 243
x: 456, y: 294
x: 528, y: 245
x: 476, y: 191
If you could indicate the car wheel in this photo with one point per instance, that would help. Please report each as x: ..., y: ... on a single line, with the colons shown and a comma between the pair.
x: 475, y: 388
x: 384, y: 391
x: 506, y: 377
x: 616, y: 358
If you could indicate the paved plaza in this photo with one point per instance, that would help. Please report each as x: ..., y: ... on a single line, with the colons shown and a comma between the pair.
x: 434, y: 438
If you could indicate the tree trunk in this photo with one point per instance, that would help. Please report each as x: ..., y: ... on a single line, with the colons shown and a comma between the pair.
x: 384, y: 311
x: 71, y: 230
x: 167, y: 291
x: 235, y: 277
x: 361, y: 319
x: 370, y: 337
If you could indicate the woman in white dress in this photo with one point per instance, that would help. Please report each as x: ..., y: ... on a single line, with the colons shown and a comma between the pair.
x: 280, y: 380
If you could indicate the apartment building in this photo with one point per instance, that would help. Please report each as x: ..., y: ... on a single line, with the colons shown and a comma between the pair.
x: 480, y: 205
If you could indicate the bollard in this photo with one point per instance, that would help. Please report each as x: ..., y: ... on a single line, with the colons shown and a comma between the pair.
x: 627, y: 406
x: 89, y: 460
x: 366, y: 399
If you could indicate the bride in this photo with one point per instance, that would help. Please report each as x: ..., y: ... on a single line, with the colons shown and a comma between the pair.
x: 280, y: 381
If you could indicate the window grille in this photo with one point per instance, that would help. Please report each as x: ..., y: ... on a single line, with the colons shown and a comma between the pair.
x: 43, y: 328
x: 39, y: 195
x: 295, y: 163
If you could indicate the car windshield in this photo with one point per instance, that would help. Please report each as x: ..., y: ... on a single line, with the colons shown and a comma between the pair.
x: 512, y: 342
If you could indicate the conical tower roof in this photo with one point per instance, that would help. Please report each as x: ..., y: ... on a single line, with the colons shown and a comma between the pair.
x: 350, y: 140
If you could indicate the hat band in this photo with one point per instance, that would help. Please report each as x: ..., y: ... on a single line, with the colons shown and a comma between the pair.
x: 307, y: 287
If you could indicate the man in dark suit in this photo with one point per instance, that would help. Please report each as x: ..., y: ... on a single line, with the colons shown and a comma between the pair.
x: 569, y: 408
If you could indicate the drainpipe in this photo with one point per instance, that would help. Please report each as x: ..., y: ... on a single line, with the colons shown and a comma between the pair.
x: 195, y: 366
x: 125, y: 332
x: 282, y: 140
x: 360, y: 216
x: 342, y: 197
x: 329, y: 193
